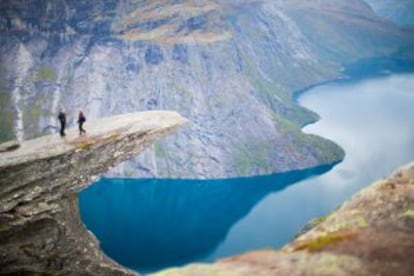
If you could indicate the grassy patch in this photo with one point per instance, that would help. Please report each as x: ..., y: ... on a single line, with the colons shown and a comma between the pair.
x: 129, y: 173
x: 300, y: 115
x: 4, y: 228
x: 84, y: 145
x: 33, y: 112
x: 274, y: 96
x: 323, y: 241
x: 408, y: 213
x: 255, y: 156
x: 267, y: 90
x: 159, y: 150
x: 66, y: 79
x: 388, y: 185
x: 324, y: 150
x: 318, y: 220
x: 6, y: 117
x: 46, y: 74
x: 114, y: 136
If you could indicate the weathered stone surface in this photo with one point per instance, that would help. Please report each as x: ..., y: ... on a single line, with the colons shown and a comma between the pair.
x: 371, y: 234
x: 10, y: 145
x: 40, y: 227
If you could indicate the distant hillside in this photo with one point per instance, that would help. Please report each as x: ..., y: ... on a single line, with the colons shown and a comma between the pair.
x: 231, y: 67
x: 399, y: 11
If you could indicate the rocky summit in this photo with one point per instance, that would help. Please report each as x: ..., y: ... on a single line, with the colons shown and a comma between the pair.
x: 232, y: 67
x: 40, y: 228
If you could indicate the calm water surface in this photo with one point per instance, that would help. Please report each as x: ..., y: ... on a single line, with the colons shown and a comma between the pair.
x: 151, y: 224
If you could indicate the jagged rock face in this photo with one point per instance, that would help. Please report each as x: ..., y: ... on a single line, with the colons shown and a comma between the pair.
x: 231, y: 68
x: 40, y: 227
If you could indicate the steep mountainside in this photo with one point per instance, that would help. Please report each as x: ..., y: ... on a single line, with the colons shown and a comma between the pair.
x: 231, y: 67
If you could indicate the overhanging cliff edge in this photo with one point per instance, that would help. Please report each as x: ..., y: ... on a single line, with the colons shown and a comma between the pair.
x: 40, y: 228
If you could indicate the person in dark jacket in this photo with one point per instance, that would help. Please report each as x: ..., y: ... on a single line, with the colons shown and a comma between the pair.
x: 81, y: 120
x: 62, y: 120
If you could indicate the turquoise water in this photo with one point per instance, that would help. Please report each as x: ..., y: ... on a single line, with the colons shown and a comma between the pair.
x: 150, y: 224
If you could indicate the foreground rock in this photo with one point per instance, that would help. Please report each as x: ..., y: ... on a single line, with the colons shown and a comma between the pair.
x: 40, y: 227
x: 371, y: 234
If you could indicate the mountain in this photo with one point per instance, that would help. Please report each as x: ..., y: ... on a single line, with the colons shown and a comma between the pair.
x: 400, y: 12
x: 233, y: 68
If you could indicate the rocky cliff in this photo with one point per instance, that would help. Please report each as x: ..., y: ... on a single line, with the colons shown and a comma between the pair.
x: 40, y: 228
x: 41, y: 233
x: 230, y: 67
x: 371, y: 234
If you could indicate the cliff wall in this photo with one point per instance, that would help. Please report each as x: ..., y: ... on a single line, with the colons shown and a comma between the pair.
x: 40, y: 228
x: 231, y: 68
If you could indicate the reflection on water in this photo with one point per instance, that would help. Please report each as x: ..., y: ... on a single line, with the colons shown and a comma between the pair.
x: 372, y: 120
x: 149, y: 224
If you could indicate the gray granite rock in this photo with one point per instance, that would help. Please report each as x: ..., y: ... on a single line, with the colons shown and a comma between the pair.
x: 231, y: 68
x: 40, y: 227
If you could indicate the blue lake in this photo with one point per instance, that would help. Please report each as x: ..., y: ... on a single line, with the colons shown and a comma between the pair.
x: 150, y: 224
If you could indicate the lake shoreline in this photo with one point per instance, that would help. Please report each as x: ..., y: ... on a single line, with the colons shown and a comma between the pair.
x: 284, y: 209
x: 363, y: 210
x: 346, y: 242
x: 378, y: 67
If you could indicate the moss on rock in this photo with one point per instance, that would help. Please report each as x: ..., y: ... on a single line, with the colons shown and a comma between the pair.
x: 323, y: 240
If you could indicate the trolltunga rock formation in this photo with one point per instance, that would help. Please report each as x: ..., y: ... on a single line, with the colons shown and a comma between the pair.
x: 41, y: 232
x: 40, y: 228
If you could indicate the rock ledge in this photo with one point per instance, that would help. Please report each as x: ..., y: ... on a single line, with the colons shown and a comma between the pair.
x: 40, y: 228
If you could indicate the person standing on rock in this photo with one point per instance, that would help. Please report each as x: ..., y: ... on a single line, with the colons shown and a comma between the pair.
x: 62, y: 120
x: 81, y: 120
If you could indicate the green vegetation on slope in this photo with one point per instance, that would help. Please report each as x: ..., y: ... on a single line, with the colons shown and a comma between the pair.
x: 46, y: 73
x: 256, y: 157
x: 323, y: 149
x: 6, y: 115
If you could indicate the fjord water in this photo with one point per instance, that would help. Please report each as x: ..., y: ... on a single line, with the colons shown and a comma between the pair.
x: 150, y: 224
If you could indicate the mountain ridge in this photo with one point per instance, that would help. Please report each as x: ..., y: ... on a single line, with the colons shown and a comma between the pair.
x: 232, y: 69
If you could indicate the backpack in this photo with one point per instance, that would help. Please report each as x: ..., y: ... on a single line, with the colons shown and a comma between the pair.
x: 82, y: 118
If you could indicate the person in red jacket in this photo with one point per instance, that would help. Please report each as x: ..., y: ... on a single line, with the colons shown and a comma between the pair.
x: 81, y: 120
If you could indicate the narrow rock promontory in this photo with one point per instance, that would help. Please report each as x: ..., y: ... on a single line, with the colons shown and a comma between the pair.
x: 41, y: 232
x: 40, y: 229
